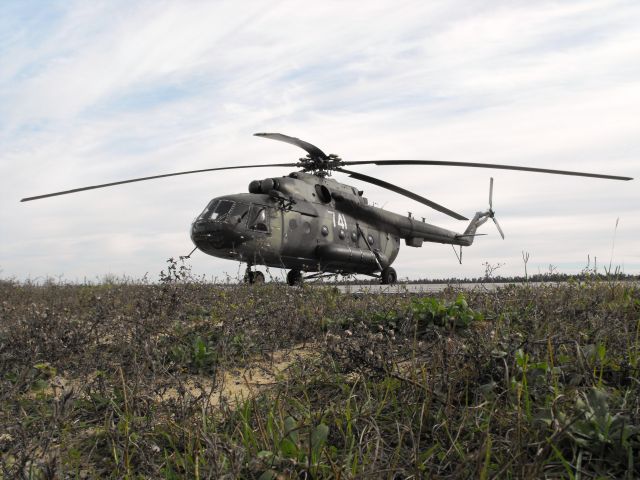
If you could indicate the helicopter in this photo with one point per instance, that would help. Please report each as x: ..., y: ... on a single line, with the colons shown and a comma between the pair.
x: 314, y: 226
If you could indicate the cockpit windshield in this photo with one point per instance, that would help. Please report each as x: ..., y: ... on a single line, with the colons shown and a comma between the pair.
x: 217, y: 210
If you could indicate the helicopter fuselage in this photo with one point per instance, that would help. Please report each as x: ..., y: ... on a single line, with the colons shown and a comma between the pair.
x: 309, y: 223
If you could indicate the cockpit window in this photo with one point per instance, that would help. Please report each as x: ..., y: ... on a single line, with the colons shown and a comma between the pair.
x: 258, y: 218
x: 207, y: 209
x: 220, y: 211
x: 241, y: 210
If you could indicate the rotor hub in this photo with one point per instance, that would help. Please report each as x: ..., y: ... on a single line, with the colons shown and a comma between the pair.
x: 321, y: 166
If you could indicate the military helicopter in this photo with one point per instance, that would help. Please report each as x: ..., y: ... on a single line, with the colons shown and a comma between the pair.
x: 308, y: 222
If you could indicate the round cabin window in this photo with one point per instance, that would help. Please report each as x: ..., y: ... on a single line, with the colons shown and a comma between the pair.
x: 324, y: 230
x: 354, y: 237
x: 370, y: 239
x: 342, y: 234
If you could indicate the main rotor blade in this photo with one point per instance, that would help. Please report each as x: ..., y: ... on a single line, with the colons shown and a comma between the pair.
x: 486, y: 165
x: 312, y: 150
x: 401, y: 191
x: 141, y: 179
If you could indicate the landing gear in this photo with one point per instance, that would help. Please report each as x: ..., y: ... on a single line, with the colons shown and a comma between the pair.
x: 294, y: 277
x: 388, y: 276
x: 253, y: 277
x: 258, y: 277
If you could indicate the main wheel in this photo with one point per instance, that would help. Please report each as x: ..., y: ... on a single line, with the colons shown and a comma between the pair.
x: 388, y: 276
x: 253, y: 277
x: 294, y: 277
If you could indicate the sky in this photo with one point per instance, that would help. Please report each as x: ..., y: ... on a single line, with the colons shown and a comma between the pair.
x: 101, y: 91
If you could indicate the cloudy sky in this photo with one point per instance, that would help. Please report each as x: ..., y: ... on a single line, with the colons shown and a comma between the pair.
x: 100, y: 91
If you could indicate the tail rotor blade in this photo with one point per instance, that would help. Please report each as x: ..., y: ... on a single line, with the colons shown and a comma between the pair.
x: 491, y: 193
x: 498, y: 227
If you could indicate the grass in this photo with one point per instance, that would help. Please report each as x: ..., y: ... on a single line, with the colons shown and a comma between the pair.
x: 523, y: 382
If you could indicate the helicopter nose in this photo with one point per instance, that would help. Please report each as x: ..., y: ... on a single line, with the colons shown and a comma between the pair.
x: 207, y: 239
x: 207, y: 235
x: 214, y: 237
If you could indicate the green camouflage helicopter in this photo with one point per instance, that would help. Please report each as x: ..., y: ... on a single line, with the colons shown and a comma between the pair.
x: 309, y: 222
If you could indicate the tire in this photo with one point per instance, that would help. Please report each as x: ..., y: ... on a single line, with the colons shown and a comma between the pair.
x: 258, y: 277
x: 294, y: 277
x: 388, y: 276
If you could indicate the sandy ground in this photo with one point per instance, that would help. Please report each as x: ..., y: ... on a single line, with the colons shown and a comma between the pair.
x: 234, y: 385
x: 239, y: 384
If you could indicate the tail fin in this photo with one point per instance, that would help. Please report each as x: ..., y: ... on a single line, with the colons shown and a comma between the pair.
x: 466, y: 239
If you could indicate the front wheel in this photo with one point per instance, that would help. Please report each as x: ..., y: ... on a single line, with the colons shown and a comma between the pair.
x: 294, y: 277
x: 388, y: 276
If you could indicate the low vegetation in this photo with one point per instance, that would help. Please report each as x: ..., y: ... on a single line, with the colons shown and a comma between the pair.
x: 132, y: 380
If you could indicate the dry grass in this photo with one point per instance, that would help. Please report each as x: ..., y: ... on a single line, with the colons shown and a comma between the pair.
x: 187, y: 379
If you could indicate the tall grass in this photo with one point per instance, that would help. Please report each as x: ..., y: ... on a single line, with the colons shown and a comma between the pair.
x: 524, y: 382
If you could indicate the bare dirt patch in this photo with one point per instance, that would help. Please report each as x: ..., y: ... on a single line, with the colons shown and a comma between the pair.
x: 239, y: 384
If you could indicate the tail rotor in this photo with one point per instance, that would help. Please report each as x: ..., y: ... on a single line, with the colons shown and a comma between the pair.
x: 491, y: 212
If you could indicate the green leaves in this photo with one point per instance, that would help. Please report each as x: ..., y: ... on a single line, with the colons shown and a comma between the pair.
x: 318, y: 439
x: 288, y: 448
x: 431, y: 311
x: 203, y: 358
x: 298, y: 445
x: 194, y: 353
x: 598, y: 429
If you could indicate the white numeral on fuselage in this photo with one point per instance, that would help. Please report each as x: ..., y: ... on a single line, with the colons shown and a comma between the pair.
x: 342, y: 221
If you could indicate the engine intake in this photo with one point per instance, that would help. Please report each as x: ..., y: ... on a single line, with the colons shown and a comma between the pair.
x: 264, y: 186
